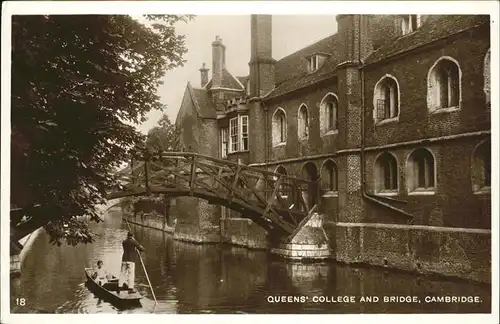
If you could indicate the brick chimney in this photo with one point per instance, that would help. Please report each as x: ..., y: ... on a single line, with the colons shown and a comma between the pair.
x: 261, y: 59
x: 204, y: 75
x: 218, y: 61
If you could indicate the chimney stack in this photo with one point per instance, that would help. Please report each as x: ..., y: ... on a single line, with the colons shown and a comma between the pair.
x: 218, y: 61
x: 204, y: 75
x: 261, y: 60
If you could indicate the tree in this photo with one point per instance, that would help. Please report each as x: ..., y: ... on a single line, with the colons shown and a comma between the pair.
x: 78, y: 83
x: 164, y: 137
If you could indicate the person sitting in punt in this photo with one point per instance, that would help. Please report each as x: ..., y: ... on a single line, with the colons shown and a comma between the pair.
x: 101, y: 276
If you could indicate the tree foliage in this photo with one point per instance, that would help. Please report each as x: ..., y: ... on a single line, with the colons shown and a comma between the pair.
x: 78, y: 83
x: 163, y: 137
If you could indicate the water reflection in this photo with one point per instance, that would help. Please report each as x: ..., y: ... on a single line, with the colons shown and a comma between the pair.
x: 189, y: 278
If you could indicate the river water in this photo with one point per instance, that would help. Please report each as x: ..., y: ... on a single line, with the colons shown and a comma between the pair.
x: 190, y: 278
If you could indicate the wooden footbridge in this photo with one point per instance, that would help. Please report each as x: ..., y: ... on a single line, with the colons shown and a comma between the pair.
x: 279, y: 203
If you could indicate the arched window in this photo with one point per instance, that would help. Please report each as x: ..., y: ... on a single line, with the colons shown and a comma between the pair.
x: 386, y: 99
x: 303, y: 122
x: 329, y: 176
x: 481, y: 167
x: 279, y: 127
x: 487, y: 76
x: 329, y: 113
x: 421, y: 175
x: 386, y: 174
x: 443, y: 84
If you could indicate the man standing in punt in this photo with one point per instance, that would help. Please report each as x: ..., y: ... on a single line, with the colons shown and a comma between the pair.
x: 127, y: 274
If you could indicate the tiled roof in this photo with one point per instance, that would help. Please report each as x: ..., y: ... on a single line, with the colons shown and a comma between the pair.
x: 243, y: 80
x: 434, y: 28
x: 291, y: 71
x: 228, y: 81
x: 203, y: 103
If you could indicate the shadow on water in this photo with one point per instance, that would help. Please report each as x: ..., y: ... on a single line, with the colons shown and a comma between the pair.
x: 189, y: 278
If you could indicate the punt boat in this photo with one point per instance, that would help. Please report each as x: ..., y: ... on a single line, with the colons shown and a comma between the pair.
x: 109, y: 291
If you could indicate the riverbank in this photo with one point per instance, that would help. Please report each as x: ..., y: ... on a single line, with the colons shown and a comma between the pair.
x: 18, y: 252
x: 425, y: 250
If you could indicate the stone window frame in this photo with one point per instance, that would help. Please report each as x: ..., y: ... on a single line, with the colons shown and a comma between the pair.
x: 407, y: 23
x: 382, y: 161
x: 487, y: 76
x: 323, y: 116
x: 224, y: 137
x: 233, y: 138
x: 303, y: 122
x: 412, y: 174
x: 333, y: 183
x: 481, y: 184
x: 279, y: 127
x: 433, y: 89
x: 394, y: 102
x: 277, y: 170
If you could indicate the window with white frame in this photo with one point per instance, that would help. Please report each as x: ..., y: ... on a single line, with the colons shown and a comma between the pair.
x: 279, y: 127
x: 244, y: 133
x: 443, y: 84
x: 224, y: 141
x: 329, y: 113
x: 386, y: 174
x: 233, y: 135
x: 421, y: 175
x: 410, y: 23
x: 303, y: 122
x: 481, y: 167
x: 386, y: 99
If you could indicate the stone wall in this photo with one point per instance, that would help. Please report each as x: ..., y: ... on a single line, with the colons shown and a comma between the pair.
x: 152, y: 220
x: 244, y: 232
x: 455, y: 252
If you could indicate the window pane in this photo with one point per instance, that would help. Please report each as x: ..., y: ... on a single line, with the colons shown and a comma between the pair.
x: 420, y: 172
x: 430, y: 171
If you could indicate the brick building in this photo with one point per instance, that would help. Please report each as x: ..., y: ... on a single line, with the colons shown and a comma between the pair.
x: 391, y: 114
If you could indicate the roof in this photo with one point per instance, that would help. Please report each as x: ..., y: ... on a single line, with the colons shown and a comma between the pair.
x: 243, y: 80
x: 228, y: 81
x: 433, y: 29
x: 198, y: 99
x: 202, y: 102
x: 291, y: 72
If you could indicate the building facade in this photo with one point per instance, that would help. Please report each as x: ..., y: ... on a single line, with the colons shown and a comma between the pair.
x: 391, y: 114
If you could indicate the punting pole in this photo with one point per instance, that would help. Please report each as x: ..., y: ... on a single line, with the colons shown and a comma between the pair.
x: 143, y: 267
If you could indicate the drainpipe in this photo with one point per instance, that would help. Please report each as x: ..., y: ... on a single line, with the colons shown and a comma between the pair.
x: 362, y: 150
x: 266, y: 135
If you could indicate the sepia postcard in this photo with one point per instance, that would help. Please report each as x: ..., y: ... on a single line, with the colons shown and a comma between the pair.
x: 261, y: 159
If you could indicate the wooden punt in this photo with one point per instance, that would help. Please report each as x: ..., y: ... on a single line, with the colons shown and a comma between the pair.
x: 109, y: 291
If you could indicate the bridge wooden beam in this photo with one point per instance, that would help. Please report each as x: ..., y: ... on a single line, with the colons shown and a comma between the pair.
x: 235, y: 182
x: 193, y: 174
x: 270, y: 201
